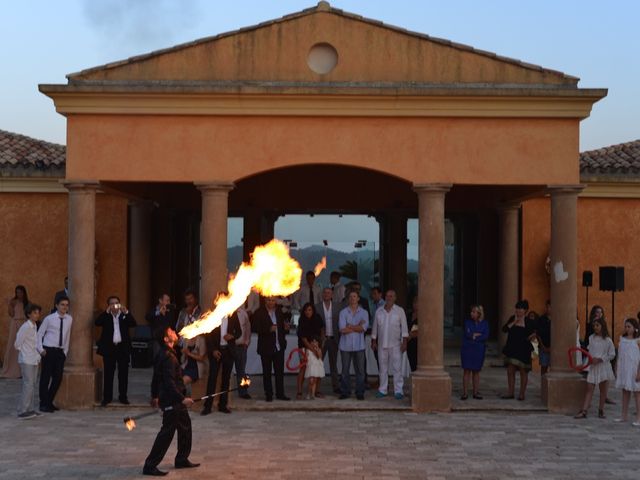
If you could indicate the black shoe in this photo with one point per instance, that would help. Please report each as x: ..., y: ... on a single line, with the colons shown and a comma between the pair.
x: 343, y: 396
x: 47, y: 409
x: 283, y: 397
x: 104, y: 403
x: 224, y: 410
x: 246, y: 396
x: 55, y: 409
x: 186, y: 464
x: 153, y: 471
x: 269, y: 398
x: 205, y: 411
x: 336, y: 391
x: 360, y: 397
x: 125, y: 401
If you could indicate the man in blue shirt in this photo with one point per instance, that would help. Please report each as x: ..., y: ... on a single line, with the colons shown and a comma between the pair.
x: 353, y: 323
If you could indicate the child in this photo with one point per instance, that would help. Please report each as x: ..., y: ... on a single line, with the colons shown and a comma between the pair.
x: 600, y: 372
x: 28, y: 359
x: 315, y: 367
x: 628, y: 368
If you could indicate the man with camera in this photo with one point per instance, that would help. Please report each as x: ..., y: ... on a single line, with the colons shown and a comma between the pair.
x: 115, y: 347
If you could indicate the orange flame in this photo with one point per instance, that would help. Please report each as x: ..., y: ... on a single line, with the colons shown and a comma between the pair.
x: 245, y: 382
x: 271, y: 272
x: 322, y: 264
x: 130, y: 424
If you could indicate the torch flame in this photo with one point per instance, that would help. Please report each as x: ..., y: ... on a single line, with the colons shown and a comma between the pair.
x: 245, y: 382
x: 322, y: 264
x: 271, y: 272
x: 130, y: 423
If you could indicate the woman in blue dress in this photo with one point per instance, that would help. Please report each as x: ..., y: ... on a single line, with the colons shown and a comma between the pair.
x: 476, y: 333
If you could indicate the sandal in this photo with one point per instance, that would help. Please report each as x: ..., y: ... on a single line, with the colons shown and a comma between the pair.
x: 601, y: 414
x: 507, y: 397
x: 299, y: 396
x: 521, y: 398
x: 581, y: 414
x: 464, y: 397
x: 477, y: 396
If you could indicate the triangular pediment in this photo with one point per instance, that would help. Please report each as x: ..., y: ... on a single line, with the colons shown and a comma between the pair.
x: 367, y: 51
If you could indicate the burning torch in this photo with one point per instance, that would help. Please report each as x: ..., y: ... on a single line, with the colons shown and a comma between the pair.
x: 130, y: 422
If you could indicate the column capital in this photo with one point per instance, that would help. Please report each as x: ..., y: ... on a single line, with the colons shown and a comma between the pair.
x: 80, y: 185
x: 508, y: 206
x: 565, y: 189
x: 431, y: 187
x: 214, y: 187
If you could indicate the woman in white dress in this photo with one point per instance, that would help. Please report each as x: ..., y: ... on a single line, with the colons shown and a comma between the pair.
x: 628, y: 368
x: 602, y: 351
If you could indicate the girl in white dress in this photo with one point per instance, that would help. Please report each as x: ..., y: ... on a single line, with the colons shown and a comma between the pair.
x: 315, y: 367
x: 602, y: 352
x: 628, y: 368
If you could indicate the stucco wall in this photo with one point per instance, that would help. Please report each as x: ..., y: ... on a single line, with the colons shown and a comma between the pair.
x: 33, y: 242
x: 608, y: 232
x: 488, y: 151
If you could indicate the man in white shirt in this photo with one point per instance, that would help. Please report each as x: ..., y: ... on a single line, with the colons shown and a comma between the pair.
x: 53, y: 344
x: 329, y: 311
x: 389, y: 336
x: 308, y: 293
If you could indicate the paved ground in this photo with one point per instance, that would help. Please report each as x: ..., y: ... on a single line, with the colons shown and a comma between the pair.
x: 493, y: 443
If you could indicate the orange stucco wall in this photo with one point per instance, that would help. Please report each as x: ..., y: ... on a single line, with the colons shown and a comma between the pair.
x: 608, y: 232
x: 366, y: 52
x: 33, y: 242
x: 421, y: 150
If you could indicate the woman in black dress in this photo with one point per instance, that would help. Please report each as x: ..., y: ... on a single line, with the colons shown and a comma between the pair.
x: 517, y: 351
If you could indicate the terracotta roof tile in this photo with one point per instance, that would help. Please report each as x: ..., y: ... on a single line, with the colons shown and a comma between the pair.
x: 26, y: 153
x: 621, y: 159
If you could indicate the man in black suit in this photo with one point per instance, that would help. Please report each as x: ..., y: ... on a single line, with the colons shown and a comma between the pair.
x: 329, y: 311
x: 115, y: 347
x: 220, y: 350
x: 272, y: 342
x: 168, y: 394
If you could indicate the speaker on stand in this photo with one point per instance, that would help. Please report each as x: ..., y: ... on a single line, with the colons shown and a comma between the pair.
x: 587, y: 281
x: 612, y: 280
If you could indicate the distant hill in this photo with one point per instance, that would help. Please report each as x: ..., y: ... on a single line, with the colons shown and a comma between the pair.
x: 308, y: 258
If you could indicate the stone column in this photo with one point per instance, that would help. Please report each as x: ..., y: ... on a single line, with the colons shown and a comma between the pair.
x: 139, y: 259
x: 508, y: 265
x: 396, y: 229
x: 431, y: 384
x: 213, y: 237
x: 78, y: 388
x: 564, y: 387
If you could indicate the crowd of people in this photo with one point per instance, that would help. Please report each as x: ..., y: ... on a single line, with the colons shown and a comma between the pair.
x: 333, y: 323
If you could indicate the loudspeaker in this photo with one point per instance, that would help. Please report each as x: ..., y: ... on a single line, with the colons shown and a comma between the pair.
x: 587, y: 278
x: 612, y: 279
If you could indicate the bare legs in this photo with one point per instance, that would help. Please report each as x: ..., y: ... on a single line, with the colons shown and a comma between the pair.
x: 300, y: 382
x: 511, y: 381
x: 313, y: 385
x: 602, y: 388
x: 474, y: 377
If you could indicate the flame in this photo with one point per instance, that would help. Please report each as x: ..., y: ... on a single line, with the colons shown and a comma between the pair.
x: 245, y: 382
x: 130, y: 423
x: 322, y: 264
x: 271, y: 272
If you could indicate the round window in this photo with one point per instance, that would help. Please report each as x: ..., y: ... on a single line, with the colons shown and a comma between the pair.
x: 322, y: 58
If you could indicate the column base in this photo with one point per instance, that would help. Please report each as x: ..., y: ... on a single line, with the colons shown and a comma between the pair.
x: 564, y: 391
x: 431, y: 392
x: 80, y: 388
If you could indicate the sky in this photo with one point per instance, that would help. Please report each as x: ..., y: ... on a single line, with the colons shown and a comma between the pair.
x: 43, y: 40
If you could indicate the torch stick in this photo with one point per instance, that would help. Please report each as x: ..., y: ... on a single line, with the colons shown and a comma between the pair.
x: 130, y: 422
